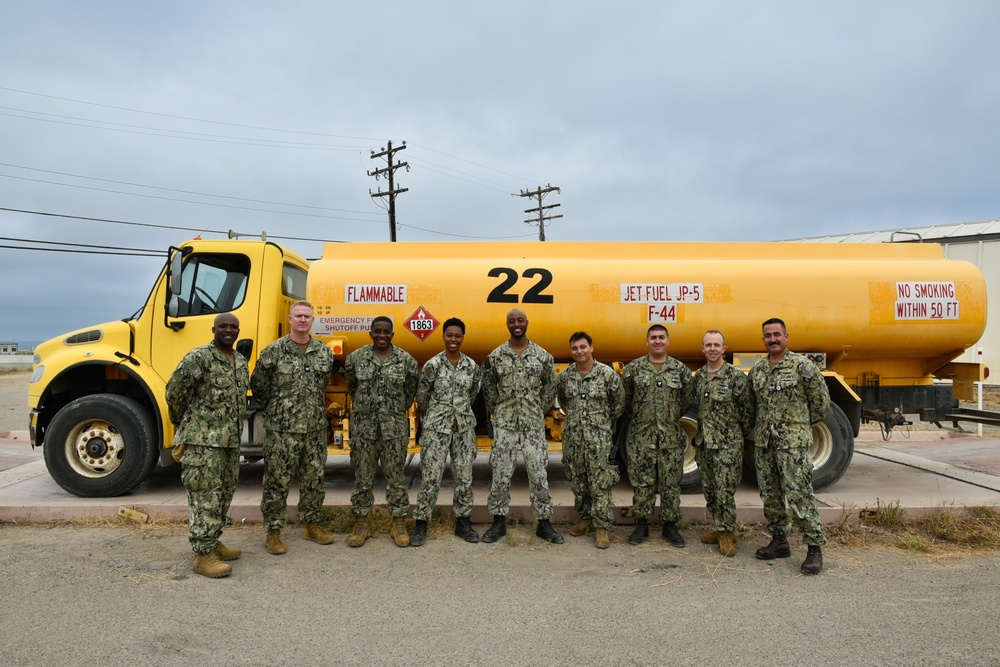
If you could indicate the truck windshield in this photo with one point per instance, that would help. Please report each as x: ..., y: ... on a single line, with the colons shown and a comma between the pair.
x: 213, y: 283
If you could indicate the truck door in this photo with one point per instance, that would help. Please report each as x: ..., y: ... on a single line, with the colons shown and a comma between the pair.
x: 211, y: 283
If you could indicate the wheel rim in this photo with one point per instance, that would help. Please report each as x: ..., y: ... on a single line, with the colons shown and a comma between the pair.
x: 690, y: 429
x: 822, y: 447
x: 95, y: 449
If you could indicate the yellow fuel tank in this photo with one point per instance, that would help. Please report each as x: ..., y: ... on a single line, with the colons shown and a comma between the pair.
x: 897, y: 310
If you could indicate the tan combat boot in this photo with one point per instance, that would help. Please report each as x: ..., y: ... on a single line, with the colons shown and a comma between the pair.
x: 711, y: 537
x: 317, y: 534
x: 601, y: 539
x: 360, y: 533
x: 581, y: 527
x: 398, y: 532
x: 210, y: 566
x: 727, y: 544
x: 226, y: 553
x: 274, y: 544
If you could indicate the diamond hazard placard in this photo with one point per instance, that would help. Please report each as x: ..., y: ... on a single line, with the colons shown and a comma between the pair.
x: 421, y: 323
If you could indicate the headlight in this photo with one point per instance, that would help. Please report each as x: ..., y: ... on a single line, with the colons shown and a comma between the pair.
x: 37, y: 375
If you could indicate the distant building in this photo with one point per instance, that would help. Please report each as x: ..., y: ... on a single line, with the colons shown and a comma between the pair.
x: 8, y: 348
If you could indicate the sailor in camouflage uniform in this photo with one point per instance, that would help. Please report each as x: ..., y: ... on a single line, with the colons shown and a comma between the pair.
x: 449, y: 384
x: 657, y: 394
x: 789, y: 396
x: 207, y: 403
x: 591, y: 395
x: 725, y: 416
x: 382, y: 381
x: 289, y: 382
x: 519, y: 384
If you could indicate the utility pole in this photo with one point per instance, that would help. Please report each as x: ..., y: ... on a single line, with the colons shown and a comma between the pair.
x: 539, y: 193
x: 391, y: 193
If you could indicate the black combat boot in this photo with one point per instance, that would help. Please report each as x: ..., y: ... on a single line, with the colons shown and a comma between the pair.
x: 640, y: 533
x: 464, y: 529
x: 497, y: 530
x: 778, y: 548
x: 672, y: 535
x: 547, y: 532
x: 419, y: 534
x: 814, y: 560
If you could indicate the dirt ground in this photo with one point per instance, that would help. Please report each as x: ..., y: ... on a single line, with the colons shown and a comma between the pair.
x: 121, y: 594
x: 14, y: 401
x: 118, y: 595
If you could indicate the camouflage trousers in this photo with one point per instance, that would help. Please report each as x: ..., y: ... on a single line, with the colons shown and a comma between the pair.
x: 592, y: 478
x: 210, y: 475
x: 785, y: 475
x: 503, y: 459
x: 721, y: 471
x: 288, y: 455
x: 366, y: 455
x: 434, y: 450
x: 653, y: 471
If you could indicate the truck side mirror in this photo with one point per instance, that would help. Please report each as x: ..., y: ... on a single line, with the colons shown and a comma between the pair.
x: 245, y: 347
x: 176, y: 270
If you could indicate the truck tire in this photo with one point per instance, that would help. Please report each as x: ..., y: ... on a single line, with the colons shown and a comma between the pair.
x: 100, y: 446
x: 691, y: 481
x: 832, y: 449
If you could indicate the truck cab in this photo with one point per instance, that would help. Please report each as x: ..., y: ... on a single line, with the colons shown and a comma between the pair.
x: 97, y: 394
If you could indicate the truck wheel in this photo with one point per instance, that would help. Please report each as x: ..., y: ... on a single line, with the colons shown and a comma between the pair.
x: 832, y: 448
x: 100, y: 446
x: 691, y: 482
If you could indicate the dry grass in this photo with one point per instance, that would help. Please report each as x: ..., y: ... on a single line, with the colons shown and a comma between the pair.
x: 946, y: 531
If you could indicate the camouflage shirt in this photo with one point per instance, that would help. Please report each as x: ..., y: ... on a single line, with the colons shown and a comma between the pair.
x: 446, y: 392
x: 381, y: 391
x: 788, y: 399
x: 207, y: 398
x: 592, y: 403
x: 519, y: 388
x: 656, y: 401
x: 290, y: 384
x: 725, y: 411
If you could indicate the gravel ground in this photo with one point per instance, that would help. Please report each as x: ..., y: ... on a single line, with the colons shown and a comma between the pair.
x: 14, y: 401
x: 124, y: 595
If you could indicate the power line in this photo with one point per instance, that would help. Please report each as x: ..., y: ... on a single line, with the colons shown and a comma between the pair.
x: 280, y: 143
x: 84, y: 252
x: 187, y: 192
x: 466, y: 236
x: 187, y: 201
x: 77, y: 245
x: 178, y: 134
x: 155, y: 226
x: 197, y: 120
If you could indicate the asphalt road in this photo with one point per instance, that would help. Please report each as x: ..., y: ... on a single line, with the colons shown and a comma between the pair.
x: 104, y: 595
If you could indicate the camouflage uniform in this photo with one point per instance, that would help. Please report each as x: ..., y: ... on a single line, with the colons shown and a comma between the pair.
x: 519, y: 389
x: 207, y: 401
x: 445, y: 395
x: 725, y: 416
x: 592, y: 403
x: 657, y: 401
x: 788, y: 399
x: 289, y: 385
x: 381, y: 394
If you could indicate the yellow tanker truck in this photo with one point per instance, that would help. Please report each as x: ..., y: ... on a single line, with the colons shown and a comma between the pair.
x: 884, y: 321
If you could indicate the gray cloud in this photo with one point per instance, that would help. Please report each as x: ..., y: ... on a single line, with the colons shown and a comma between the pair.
x: 659, y: 121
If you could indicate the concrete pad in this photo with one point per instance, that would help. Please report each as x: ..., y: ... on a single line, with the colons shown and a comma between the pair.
x: 923, y: 474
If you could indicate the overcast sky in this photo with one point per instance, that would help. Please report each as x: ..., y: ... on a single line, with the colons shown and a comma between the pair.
x: 659, y: 121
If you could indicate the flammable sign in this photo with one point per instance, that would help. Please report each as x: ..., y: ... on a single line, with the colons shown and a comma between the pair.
x: 421, y: 323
